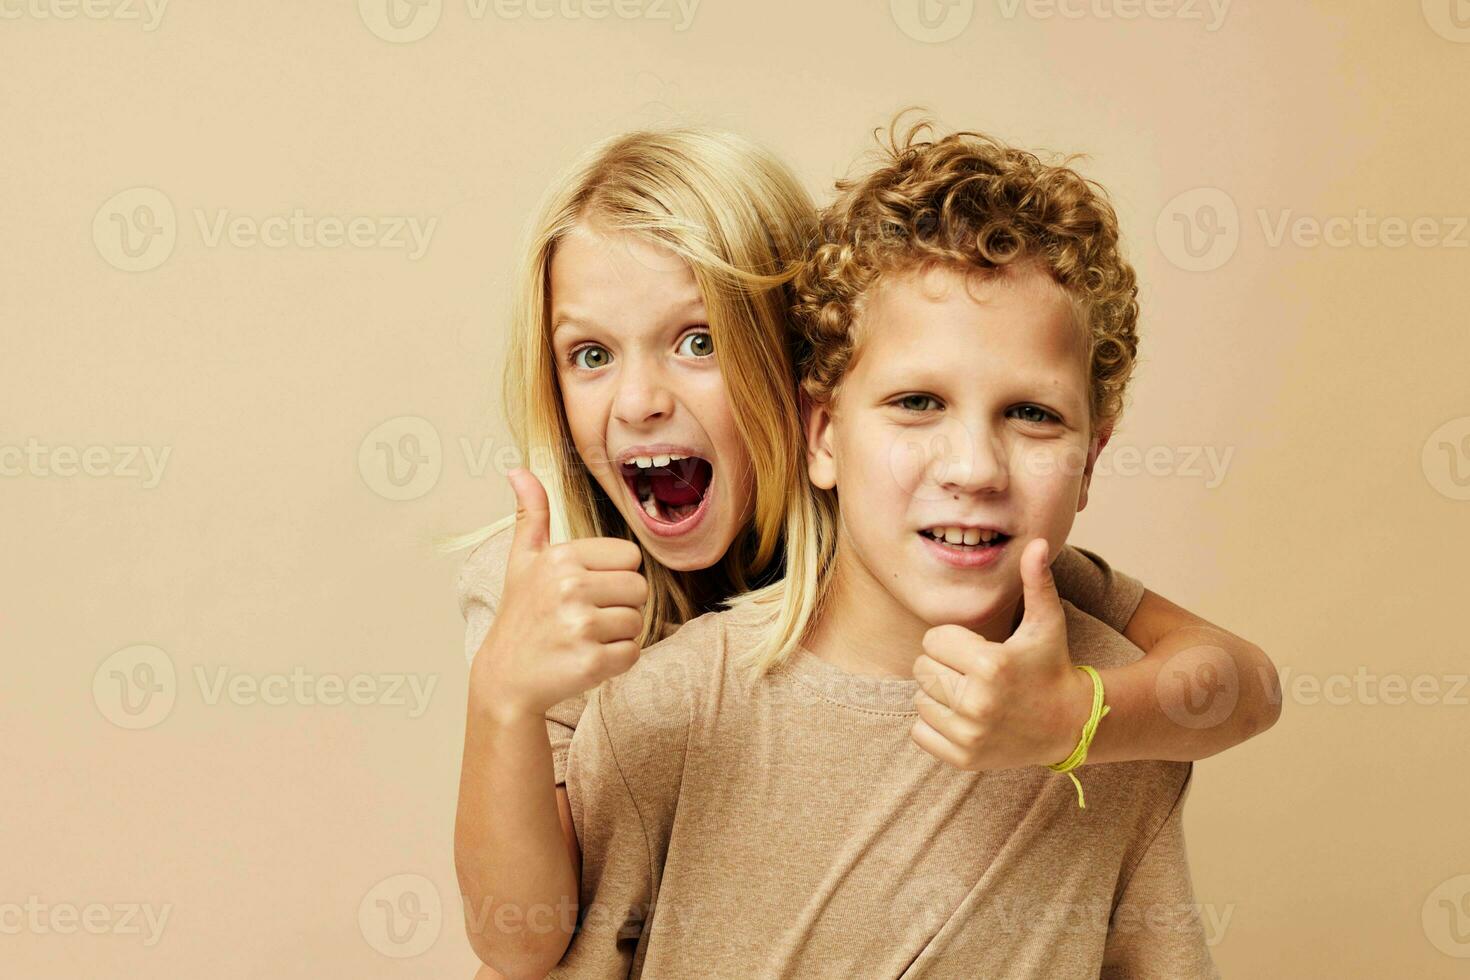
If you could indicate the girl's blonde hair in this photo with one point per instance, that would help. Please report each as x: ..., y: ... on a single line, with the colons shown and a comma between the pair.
x: 742, y: 221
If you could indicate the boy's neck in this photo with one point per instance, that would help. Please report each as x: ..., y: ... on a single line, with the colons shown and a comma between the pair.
x: 864, y: 629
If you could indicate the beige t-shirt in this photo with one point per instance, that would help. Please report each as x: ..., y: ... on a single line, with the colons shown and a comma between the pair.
x: 1083, y: 578
x: 792, y: 828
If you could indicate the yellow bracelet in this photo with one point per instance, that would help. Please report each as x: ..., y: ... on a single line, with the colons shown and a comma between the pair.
x: 1079, y: 754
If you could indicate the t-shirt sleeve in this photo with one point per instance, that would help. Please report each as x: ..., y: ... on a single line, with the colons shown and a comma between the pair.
x: 1156, y: 929
x: 623, y: 776
x: 480, y: 584
x: 479, y: 588
x: 561, y: 725
x: 1095, y: 587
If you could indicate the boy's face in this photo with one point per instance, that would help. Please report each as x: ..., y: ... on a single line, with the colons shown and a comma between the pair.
x: 965, y: 406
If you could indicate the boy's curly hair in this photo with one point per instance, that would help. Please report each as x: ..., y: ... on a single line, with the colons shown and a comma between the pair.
x: 969, y: 200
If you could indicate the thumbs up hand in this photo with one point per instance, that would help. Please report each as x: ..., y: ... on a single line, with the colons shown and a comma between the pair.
x: 987, y: 705
x: 569, y: 618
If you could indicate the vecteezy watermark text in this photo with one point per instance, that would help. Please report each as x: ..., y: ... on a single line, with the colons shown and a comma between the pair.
x: 150, y: 12
x: 40, y: 918
x: 128, y: 462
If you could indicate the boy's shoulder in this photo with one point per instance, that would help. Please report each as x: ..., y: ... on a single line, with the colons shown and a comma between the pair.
x: 1094, y: 643
x: 677, y: 679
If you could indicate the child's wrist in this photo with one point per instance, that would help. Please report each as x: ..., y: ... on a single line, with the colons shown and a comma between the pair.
x: 1076, y: 710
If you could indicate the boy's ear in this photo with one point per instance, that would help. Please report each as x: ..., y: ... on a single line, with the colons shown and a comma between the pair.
x: 1098, y: 442
x: 816, y: 424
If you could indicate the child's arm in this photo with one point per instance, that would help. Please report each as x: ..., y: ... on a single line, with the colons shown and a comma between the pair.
x: 1198, y: 690
x: 519, y: 912
x: 557, y: 626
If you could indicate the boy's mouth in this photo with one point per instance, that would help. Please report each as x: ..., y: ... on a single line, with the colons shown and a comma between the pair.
x: 965, y: 538
x: 668, y: 487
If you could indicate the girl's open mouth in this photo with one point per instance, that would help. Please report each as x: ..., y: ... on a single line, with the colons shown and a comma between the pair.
x: 670, y: 490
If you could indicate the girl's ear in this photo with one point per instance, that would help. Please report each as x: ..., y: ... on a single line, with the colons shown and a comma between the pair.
x: 816, y: 423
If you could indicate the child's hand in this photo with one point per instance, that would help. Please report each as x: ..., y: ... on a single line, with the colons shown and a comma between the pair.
x: 985, y: 705
x: 569, y: 618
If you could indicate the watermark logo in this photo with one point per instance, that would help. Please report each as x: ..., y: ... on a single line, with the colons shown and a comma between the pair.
x: 401, y: 916
x: 1198, y: 688
x: 1446, y: 917
x: 659, y: 695
x: 402, y: 458
x: 135, y: 230
x: 1450, y: 19
x: 136, y: 687
x: 927, y: 899
x: 1199, y: 230
x: 932, y: 21
x: 401, y: 21
x: 1446, y: 459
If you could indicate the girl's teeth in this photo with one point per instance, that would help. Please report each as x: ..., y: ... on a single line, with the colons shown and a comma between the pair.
x: 650, y: 507
x: 954, y: 535
x: 972, y: 535
x: 662, y: 459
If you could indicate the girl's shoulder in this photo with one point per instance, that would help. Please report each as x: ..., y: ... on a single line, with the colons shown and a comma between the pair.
x: 482, y: 574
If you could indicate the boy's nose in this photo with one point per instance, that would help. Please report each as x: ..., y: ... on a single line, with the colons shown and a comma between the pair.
x: 976, y: 463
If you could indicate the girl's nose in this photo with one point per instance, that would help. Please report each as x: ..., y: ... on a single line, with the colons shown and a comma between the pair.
x: 642, y: 397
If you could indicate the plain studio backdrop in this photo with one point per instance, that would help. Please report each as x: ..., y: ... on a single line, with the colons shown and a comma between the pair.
x: 256, y: 269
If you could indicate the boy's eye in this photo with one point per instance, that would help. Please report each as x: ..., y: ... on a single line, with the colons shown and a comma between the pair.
x: 697, y: 343
x: 591, y: 357
x: 1034, y: 414
x: 916, y: 403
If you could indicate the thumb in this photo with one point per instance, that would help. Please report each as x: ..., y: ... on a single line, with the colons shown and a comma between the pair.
x: 533, y: 514
x: 1043, y: 612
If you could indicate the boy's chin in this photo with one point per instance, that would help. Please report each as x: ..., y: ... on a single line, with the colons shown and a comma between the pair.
x: 973, y: 609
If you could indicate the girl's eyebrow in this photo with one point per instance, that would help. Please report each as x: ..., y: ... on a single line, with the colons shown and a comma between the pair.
x: 693, y: 308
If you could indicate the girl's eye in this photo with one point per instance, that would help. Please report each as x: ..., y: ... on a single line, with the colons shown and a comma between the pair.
x: 591, y: 357
x: 697, y: 343
x: 916, y: 403
x: 1034, y: 414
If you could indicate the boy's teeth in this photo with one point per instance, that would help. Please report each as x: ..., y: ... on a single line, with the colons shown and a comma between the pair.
x: 661, y: 460
x: 963, y: 536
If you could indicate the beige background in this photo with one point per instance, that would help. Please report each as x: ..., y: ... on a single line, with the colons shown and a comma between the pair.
x: 1328, y: 380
